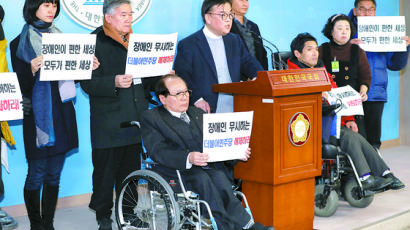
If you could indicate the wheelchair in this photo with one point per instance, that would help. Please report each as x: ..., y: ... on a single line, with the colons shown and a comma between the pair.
x: 146, y: 201
x: 339, y: 178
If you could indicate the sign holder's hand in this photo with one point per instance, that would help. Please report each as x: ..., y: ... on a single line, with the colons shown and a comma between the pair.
x: 36, y: 64
x: 123, y: 81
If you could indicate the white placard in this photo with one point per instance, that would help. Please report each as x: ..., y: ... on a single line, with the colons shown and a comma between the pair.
x: 382, y: 33
x: 4, y: 155
x: 150, y: 54
x: 227, y: 135
x: 350, y: 98
x: 10, y: 97
x: 67, y: 56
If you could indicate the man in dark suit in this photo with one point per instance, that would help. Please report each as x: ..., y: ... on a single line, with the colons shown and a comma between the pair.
x: 249, y: 32
x: 172, y: 135
x: 212, y: 55
x: 114, y: 98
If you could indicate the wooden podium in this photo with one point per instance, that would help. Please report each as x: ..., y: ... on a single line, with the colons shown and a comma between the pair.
x: 286, y: 140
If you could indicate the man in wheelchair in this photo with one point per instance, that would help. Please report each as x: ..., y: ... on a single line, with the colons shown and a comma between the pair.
x: 373, y: 171
x: 172, y: 135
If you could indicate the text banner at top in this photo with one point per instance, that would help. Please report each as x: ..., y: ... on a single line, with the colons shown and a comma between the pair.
x: 226, y: 136
x: 150, y: 55
x: 67, y: 56
x: 10, y: 97
x: 382, y: 33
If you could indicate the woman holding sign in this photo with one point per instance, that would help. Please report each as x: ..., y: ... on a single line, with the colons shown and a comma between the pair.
x: 49, y: 128
x: 347, y: 63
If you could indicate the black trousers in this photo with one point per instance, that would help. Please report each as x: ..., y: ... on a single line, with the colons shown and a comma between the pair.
x: 214, y: 187
x: 365, y: 158
x: 373, y: 111
x: 111, y: 167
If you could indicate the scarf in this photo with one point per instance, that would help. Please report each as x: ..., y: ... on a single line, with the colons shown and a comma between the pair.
x: 5, y: 130
x: 29, y: 48
x: 110, y: 32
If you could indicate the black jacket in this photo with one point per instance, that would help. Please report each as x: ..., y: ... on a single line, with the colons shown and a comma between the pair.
x: 110, y: 106
x: 260, y: 52
x: 64, y: 119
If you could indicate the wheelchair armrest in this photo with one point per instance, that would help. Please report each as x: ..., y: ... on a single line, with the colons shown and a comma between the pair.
x: 329, y: 151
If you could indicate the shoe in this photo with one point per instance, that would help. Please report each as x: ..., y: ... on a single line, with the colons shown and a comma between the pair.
x: 3, y: 213
x: 8, y: 223
x: 374, y: 183
x: 397, y: 184
x: 105, y: 224
x: 259, y: 226
x: 9, y: 226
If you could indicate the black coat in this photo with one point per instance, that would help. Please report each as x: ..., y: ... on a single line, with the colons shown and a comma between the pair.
x: 260, y: 52
x: 110, y: 106
x: 168, y: 141
x: 64, y: 119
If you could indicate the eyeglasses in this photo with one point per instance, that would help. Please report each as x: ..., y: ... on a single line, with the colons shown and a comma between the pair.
x: 225, y: 16
x: 364, y: 10
x: 180, y: 95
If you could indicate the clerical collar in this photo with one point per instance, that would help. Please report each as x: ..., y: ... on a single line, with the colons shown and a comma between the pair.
x: 209, y: 34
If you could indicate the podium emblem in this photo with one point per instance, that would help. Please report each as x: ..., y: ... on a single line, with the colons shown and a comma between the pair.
x: 299, y: 129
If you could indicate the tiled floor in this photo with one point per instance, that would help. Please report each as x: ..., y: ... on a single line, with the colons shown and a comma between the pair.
x: 385, y: 206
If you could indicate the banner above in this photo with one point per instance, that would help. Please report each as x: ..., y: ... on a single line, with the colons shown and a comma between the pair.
x: 89, y: 13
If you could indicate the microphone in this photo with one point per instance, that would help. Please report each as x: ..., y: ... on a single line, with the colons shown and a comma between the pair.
x: 272, y: 54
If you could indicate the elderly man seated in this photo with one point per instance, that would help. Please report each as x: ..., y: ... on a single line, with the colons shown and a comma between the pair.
x: 172, y: 135
x: 372, y: 169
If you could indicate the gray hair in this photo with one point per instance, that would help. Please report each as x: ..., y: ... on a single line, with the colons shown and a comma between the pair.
x: 110, y: 5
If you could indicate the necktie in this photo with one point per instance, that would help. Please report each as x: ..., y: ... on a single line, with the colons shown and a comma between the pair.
x: 184, y: 117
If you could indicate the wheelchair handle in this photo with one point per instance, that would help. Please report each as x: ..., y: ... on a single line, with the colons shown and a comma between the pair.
x: 127, y: 124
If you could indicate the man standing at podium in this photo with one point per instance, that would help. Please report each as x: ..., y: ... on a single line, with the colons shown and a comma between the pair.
x: 212, y: 55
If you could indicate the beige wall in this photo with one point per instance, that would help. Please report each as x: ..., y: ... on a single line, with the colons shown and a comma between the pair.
x: 405, y: 84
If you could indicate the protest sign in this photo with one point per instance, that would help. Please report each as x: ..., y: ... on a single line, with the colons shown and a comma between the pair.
x: 382, y: 33
x: 10, y: 97
x: 150, y: 55
x: 227, y: 135
x: 67, y: 56
x: 350, y: 99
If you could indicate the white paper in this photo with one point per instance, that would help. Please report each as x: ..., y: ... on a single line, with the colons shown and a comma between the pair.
x: 67, y: 56
x: 4, y: 155
x: 227, y: 135
x: 10, y: 97
x: 350, y: 99
x: 382, y: 33
x: 150, y: 55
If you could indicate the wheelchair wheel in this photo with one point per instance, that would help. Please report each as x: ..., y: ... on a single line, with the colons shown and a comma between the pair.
x: 352, y: 194
x: 146, y: 201
x: 325, y: 207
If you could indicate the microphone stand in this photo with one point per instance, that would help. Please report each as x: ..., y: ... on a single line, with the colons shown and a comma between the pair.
x: 272, y: 55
